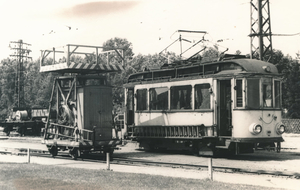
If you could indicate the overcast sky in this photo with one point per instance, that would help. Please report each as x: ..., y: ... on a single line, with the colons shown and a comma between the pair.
x: 148, y: 25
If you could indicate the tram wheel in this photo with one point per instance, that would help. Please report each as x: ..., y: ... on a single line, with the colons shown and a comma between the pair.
x: 150, y: 147
x: 278, y: 147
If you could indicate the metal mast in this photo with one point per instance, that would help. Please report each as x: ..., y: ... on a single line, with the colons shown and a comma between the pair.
x: 260, y: 34
x: 20, y: 55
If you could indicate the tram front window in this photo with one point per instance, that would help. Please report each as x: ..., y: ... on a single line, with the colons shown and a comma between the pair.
x: 267, y: 92
x: 277, y: 94
x: 253, y: 93
x: 263, y: 93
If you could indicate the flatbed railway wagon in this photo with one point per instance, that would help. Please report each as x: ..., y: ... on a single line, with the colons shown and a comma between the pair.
x: 229, y: 105
x: 82, y: 101
x: 25, y: 121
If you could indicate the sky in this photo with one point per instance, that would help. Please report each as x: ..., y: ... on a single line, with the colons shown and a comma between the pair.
x: 150, y: 25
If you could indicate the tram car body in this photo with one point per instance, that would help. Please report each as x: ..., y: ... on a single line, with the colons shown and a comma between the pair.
x: 231, y: 105
x: 82, y: 101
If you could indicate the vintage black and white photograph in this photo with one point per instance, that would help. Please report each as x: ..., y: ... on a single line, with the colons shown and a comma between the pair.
x: 149, y: 94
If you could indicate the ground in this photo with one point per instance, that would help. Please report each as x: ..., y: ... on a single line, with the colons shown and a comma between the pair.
x: 287, y: 160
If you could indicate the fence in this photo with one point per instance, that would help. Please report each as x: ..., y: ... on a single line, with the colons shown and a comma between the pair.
x: 292, y: 125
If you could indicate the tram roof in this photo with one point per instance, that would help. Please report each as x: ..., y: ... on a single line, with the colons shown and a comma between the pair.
x: 225, y: 67
x: 255, y: 66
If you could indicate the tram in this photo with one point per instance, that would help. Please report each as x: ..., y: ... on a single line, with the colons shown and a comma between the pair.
x: 232, y: 105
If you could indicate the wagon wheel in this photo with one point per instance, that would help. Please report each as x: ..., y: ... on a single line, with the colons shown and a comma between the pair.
x: 75, y: 153
x: 53, y: 151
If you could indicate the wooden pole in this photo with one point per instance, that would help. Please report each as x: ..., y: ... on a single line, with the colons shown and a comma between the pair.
x: 210, y: 171
x: 28, y: 155
x: 107, y: 161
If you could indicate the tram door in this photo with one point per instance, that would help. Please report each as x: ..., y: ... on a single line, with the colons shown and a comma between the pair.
x: 224, y: 108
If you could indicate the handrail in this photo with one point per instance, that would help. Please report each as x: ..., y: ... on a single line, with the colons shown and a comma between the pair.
x: 81, y: 136
x: 65, y: 52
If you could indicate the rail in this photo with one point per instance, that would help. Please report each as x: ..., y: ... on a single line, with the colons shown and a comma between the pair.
x: 210, y: 167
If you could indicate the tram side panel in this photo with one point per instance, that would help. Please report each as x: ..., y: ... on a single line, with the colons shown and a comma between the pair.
x: 168, y: 123
x: 178, y: 118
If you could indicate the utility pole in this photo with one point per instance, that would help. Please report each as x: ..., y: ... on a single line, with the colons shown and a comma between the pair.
x: 260, y: 34
x: 20, y: 55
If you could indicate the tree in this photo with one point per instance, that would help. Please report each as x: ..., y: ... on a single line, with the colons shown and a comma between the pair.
x: 115, y: 44
x: 38, y: 86
x: 289, y: 68
x: 7, y: 75
x: 291, y: 94
x: 117, y: 79
x: 210, y: 54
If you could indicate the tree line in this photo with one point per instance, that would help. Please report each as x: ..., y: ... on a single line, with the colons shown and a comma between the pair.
x: 38, y: 86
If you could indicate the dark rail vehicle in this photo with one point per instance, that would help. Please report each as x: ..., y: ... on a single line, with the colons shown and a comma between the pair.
x: 25, y: 121
x: 82, y: 101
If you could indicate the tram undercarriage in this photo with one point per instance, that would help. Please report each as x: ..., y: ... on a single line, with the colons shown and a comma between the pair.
x: 209, y: 146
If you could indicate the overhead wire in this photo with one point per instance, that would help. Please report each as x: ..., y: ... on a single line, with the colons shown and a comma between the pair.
x: 286, y: 34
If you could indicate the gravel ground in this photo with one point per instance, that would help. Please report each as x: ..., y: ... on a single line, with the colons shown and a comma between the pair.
x: 287, y: 160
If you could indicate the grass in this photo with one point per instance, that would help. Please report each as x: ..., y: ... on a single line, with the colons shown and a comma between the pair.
x: 39, y: 177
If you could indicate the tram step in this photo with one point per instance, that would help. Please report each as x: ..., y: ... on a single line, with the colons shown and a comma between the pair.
x: 222, y: 147
x: 227, y: 143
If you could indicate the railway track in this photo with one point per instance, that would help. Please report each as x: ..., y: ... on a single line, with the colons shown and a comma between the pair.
x: 100, y: 158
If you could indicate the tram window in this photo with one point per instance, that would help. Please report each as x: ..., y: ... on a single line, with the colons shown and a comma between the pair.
x: 130, y: 106
x: 141, y: 99
x: 267, y: 92
x: 202, y: 96
x: 181, y: 97
x: 253, y: 93
x: 158, y: 98
x: 239, y: 93
x: 277, y: 94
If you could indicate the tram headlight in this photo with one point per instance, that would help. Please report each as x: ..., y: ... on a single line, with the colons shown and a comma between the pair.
x: 255, y: 128
x: 280, y: 128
